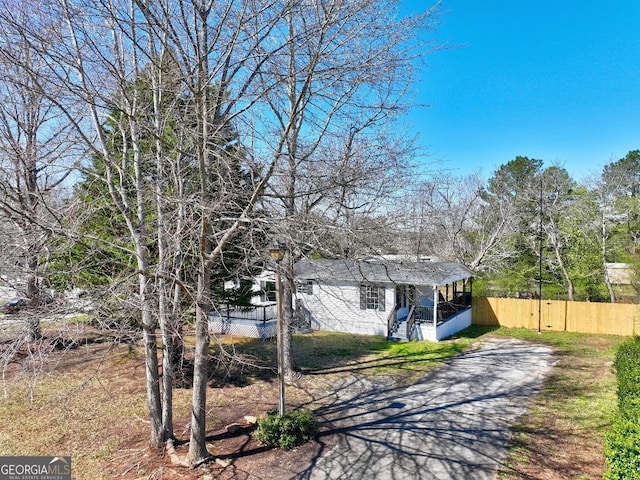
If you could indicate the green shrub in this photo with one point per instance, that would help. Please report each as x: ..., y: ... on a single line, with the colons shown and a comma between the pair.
x: 287, y: 431
x: 627, y: 366
x: 622, y: 448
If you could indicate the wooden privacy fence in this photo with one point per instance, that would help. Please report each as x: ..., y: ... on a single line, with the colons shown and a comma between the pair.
x: 558, y: 315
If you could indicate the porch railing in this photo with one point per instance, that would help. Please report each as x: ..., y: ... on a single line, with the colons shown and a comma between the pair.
x: 257, y: 313
x: 445, y: 310
x: 392, y: 322
x: 411, y: 321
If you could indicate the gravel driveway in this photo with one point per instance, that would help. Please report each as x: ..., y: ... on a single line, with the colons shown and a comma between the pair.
x: 453, y: 424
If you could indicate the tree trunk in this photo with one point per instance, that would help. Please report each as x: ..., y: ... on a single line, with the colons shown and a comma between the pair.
x: 565, y: 274
x: 607, y: 281
x: 33, y: 331
x: 287, y: 315
x: 164, y: 262
x: 167, y: 363
x: 603, y: 242
x: 151, y: 363
x: 177, y: 340
x: 197, y: 445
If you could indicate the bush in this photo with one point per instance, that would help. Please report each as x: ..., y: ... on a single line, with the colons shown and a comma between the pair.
x: 627, y: 365
x: 287, y: 431
x: 622, y: 448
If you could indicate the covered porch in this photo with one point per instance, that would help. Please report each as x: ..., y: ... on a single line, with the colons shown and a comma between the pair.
x: 431, y: 312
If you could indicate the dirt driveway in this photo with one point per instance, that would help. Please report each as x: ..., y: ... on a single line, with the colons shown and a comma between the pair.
x: 453, y: 424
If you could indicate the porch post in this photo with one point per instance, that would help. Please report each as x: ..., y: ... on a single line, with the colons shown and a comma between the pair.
x: 435, y: 305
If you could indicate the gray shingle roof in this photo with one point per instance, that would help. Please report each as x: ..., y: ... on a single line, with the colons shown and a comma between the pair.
x: 404, y: 273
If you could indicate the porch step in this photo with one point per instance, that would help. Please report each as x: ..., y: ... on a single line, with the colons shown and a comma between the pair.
x: 400, y: 335
x: 396, y: 339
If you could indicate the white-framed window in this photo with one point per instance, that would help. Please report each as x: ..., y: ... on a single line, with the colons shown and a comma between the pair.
x: 372, y: 297
x: 267, y: 291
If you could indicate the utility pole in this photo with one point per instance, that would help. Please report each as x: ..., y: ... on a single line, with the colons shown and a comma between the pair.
x: 540, y: 251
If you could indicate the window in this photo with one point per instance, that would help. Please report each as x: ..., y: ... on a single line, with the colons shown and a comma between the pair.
x: 267, y: 291
x: 372, y: 297
x: 305, y: 287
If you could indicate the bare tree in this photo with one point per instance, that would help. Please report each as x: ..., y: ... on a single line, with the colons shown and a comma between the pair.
x: 37, y: 152
x: 213, y: 44
x: 443, y: 217
x: 555, y: 191
x: 108, y: 48
x: 343, y: 80
x: 606, y: 218
x: 618, y: 192
x: 462, y: 219
x: 622, y: 182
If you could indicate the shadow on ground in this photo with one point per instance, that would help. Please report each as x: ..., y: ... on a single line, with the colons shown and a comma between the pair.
x: 454, y: 423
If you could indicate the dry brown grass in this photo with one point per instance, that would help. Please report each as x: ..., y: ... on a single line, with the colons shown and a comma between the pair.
x: 89, y: 402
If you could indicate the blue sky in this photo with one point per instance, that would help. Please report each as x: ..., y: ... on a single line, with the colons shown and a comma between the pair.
x: 554, y: 80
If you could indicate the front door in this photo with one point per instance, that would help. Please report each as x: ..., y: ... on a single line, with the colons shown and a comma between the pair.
x: 405, y: 296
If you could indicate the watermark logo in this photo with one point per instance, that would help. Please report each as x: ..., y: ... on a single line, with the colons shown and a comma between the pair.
x: 35, y: 468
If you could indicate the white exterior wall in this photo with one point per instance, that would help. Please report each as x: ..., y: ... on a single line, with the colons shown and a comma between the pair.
x: 452, y: 326
x: 265, y: 276
x: 335, y: 307
x: 256, y: 287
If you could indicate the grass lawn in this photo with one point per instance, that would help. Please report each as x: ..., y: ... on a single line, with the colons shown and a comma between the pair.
x: 563, y: 434
x: 89, y: 402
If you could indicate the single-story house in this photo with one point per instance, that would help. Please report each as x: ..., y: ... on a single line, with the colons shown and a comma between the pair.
x: 404, y: 300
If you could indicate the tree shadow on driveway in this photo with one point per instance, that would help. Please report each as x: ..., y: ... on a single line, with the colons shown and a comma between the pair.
x: 453, y: 423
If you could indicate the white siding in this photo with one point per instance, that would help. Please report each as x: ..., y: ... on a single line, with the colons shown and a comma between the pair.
x: 257, y: 283
x: 452, y: 326
x: 335, y: 307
